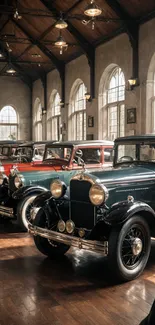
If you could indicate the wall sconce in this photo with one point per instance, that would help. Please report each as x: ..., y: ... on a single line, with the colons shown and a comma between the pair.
x: 132, y: 82
x: 61, y: 103
x: 88, y: 97
x: 43, y: 110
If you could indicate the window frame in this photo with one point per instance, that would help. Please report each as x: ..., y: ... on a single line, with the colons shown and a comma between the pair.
x: 75, y: 114
x: 12, y: 124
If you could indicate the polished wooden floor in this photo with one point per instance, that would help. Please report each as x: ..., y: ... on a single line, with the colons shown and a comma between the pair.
x: 75, y: 290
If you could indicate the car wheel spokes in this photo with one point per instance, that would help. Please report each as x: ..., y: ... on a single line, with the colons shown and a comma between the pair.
x: 132, y: 248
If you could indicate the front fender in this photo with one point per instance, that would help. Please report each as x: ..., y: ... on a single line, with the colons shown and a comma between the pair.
x: 27, y: 190
x: 41, y: 198
x: 122, y: 211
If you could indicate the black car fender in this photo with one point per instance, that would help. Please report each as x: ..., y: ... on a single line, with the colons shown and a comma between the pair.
x: 120, y: 212
x: 28, y: 190
x: 41, y: 198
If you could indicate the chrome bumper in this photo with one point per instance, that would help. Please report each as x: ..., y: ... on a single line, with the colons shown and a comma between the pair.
x: 8, y: 212
x: 91, y: 245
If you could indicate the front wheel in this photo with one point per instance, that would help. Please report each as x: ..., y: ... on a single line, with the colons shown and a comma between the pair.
x: 129, y: 248
x: 23, y: 211
x: 47, y: 247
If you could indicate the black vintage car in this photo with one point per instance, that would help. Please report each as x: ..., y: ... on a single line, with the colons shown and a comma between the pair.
x: 111, y: 212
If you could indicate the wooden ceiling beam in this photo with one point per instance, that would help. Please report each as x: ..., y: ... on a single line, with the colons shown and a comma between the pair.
x: 129, y: 23
x: 87, y: 47
x: 57, y: 63
x: 23, y: 76
x: 131, y: 27
x: 73, y: 7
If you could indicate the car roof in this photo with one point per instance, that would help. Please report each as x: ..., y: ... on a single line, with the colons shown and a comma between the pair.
x: 84, y: 143
x: 142, y: 137
x: 4, y: 143
x: 33, y: 143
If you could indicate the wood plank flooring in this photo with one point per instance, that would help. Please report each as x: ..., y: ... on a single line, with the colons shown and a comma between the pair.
x: 75, y: 290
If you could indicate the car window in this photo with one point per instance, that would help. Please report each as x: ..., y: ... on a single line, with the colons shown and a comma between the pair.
x: 135, y: 152
x: 58, y: 153
x: 4, y: 151
x: 108, y: 154
x: 88, y: 155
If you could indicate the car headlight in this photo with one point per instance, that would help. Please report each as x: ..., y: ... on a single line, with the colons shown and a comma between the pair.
x: 18, y: 181
x: 58, y: 189
x: 98, y: 194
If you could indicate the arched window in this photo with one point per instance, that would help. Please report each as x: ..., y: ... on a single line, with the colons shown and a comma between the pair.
x: 38, y: 121
x: 111, y: 104
x: 54, y: 121
x: 8, y: 123
x: 77, y: 116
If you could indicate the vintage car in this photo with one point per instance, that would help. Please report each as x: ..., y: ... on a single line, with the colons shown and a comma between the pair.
x: 26, y: 156
x: 110, y: 212
x: 8, y: 149
x: 61, y: 160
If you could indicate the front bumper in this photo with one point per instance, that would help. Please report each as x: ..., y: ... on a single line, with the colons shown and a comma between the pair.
x: 91, y: 245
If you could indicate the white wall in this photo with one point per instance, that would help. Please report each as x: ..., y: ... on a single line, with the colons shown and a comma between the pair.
x: 118, y: 52
x: 15, y: 93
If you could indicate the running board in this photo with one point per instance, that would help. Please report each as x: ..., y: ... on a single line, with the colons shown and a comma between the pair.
x: 8, y: 212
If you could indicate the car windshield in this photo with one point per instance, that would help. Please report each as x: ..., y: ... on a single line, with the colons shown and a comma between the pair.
x: 4, y: 151
x: 58, y: 153
x: 128, y: 152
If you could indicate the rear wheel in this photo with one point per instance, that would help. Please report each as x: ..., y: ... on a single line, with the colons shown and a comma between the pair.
x: 129, y: 248
x: 45, y: 246
x: 23, y: 211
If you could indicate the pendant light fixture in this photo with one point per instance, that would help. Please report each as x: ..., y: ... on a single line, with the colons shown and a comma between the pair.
x: 61, y: 43
x: 10, y: 70
x: 92, y: 10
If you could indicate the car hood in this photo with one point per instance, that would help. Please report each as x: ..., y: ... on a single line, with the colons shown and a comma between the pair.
x: 38, y: 178
x: 125, y: 174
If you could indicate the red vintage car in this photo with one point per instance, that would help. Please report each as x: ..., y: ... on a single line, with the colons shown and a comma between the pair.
x: 61, y: 160
x: 22, y: 156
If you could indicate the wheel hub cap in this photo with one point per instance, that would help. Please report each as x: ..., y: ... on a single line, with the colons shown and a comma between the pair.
x: 137, y: 246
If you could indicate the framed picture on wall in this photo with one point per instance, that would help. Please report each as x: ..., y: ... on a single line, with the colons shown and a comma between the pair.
x: 90, y: 121
x: 131, y: 115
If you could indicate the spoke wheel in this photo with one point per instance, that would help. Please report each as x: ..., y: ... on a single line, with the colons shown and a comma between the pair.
x: 129, y: 248
x: 23, y: 211
x: 133, y: 247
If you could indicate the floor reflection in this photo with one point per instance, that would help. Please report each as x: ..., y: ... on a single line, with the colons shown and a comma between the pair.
x: 76, y: 289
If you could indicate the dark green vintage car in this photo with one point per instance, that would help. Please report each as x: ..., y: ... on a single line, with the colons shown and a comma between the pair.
x: 110, y: 212
x: 61, y: 160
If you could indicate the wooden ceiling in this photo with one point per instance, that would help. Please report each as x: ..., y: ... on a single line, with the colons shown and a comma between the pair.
x: 28, y: 43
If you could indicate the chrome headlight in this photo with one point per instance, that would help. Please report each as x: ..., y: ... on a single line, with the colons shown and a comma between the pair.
x: 19, y: 181
x: 98, y: 194
x: 58, y: 189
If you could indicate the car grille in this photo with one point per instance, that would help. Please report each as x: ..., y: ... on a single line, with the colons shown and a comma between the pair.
x: 81, y: 209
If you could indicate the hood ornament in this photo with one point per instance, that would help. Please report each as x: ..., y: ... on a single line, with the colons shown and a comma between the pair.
x: 14, y: 170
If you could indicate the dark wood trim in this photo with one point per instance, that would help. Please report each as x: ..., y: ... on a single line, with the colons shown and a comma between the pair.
x: 22, y: 74
x: 58, y: 64
x: 108, y: 38
x: 87, y: 48
x: 44, y: 83
x: 147, y: 17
